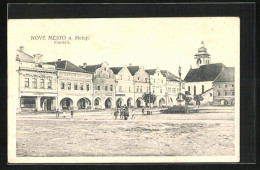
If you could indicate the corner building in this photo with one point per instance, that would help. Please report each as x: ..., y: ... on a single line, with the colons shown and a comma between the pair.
x: 37, y: 83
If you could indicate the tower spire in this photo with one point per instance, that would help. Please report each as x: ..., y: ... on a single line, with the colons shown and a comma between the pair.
x: 202, y: 43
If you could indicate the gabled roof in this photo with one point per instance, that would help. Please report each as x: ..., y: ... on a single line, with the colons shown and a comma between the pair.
x: 91, y: 68
x: 204, y: 73
x: 226, y: 75
x: 24, y: 57
x: 169, y: 76
x: 133, y: 69
x: 116, y: 69
x: 150, y: 71
x: 66, y: 66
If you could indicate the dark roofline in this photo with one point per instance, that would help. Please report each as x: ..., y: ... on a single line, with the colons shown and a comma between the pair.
x: 206, y: 91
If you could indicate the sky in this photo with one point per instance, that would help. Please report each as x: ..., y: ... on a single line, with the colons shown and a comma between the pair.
x: 166, y: 43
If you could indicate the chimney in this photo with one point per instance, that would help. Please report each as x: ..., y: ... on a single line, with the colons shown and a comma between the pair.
x: 59, y: 59
x: 22, y: 48
x: 130, y: 64
x: 84, y: 65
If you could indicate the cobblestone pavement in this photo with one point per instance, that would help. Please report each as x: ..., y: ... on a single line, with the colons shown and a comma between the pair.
x: 99, y: 134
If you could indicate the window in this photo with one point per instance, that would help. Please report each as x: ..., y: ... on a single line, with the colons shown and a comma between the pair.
x: 153, y: 89
x: 120, y: 88
x: 121, y: 77
x: 98, y: 87
x: 128, y: 77
x: 26, y: 82
x: 75, y: 86
x: 106, y: 87
x: 111, y: 87
x: 169, y: 89
x: 42, y: 83
x: 137, y: 78
x: 147, y: 90
x: 49, y: 84
x: 158, y: 74
x: 69, y: 85
x: 174, y: 91
x: 219, y: 86
x: 194, y: 90
x: 146, y: 79
x: 154, y: 80
x: 225, y: 93
x: 162, y: 81
x: 129, y: 88
x: 87, y: 87
x: 34, y: 83
x: 202, y: 89
x: 158, y: 80
x: 232, y: 93
x: 219, y: 93
x: 232, y: 85
x: 62, y: 86
x: 225, y: 85
x: 141, y: 88
x: 27, y: 102
x: 210, y: 94
x: 160, y: 90
x: 189, y: 88
x: 137, y: 89
x: 81, y: 86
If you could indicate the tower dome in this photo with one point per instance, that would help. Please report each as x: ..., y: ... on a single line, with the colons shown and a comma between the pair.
x: 202, y: 51
x: 202, y: 57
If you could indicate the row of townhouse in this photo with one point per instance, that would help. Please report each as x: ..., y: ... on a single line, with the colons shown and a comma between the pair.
x: 62, y: 85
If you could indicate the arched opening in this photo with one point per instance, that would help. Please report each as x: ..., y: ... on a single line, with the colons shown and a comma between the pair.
x: 66, y: 103
x: 119, y: 102
x: 194, y: 90
x: 48, y: 103
x: 161, y: 102
x: 129, y: 102
x: 202, y: 88
x: 233, y: 102
x: 139, y: 102
x: 97, y: 103
x: 108, y: 103
x: 84, y: 103
x: 223, y: 102
x: 171, y: 102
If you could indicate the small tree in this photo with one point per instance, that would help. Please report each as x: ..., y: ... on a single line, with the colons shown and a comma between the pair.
x: 187, y: 100
x: 149, y: 97
x: 198, y: 98
x: 187, y: 97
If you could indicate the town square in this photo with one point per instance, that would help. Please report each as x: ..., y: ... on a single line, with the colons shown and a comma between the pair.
x: 118, y: 88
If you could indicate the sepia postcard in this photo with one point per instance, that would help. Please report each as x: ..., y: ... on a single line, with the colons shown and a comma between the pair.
x: 124, y: 90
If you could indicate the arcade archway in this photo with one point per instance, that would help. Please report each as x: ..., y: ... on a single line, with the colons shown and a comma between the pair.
x: 84, y: 103
x: 161, y: 102
x: 66, y: 103
x: 108, y: 103
x: 129, y: 102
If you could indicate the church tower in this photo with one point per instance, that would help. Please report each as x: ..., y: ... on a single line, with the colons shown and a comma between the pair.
x: 202, y: 57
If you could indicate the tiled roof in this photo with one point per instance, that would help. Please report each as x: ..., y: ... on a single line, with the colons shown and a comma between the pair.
x: 204, y: 73
x: 150, y: 71
x: 66, y: 66
x: 133, y: 69
x: 116, y: 69
x: 91, y: 68
x: 22, y: 56
x: 169, y: 75
x: 226, y: 75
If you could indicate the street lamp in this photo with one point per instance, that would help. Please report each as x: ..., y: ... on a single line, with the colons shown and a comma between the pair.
x: 116, y: 82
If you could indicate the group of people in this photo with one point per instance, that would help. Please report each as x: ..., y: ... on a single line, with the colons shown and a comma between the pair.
x: 64, y: 113
x: 123, y: 112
